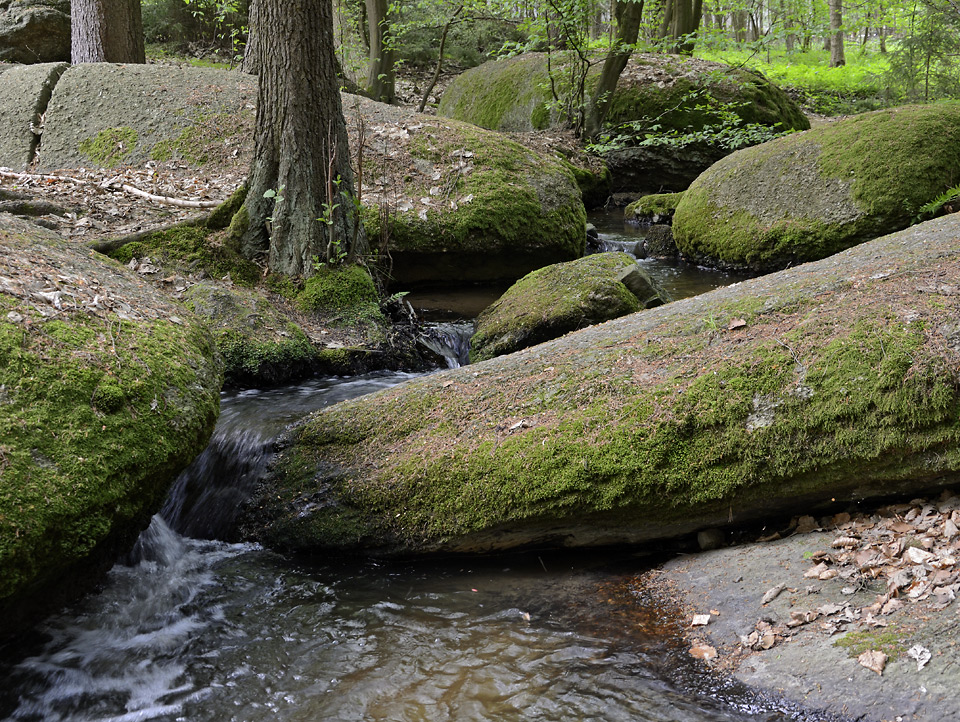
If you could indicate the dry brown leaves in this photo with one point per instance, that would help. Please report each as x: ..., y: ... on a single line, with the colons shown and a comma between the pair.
x: 96, y: 206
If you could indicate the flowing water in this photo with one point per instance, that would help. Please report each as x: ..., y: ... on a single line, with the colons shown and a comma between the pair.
x: 199, y: 630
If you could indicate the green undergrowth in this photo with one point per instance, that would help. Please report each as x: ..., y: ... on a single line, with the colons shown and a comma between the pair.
x: 795, y: 415
x: 855, y: 87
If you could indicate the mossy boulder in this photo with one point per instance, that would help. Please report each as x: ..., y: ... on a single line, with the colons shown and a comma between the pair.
x: 830, y: 382
x: 455, y: 203
x: 665, y: 91
x: 107, y: 391
x: 560, y: 298
x: 809, y: 195
x: 654, y: 209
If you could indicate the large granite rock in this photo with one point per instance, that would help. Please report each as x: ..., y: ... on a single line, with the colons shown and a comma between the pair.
x: 833, y: 380
x: 34, y: 31
x: 560, y: 298
x: 24, y: 93
x: 107, y: 391
x: 105, y: 115
x: 808, y: 195
x: 665, y: 91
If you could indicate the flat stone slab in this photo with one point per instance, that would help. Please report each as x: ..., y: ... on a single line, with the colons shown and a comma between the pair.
x: 24, y: 94
x: 106, y: 115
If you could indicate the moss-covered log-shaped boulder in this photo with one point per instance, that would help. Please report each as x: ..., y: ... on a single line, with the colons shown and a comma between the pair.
x: 808, y: 195
x: 455, y: 203
x: 561, y: 298
x: 107, y: 391
x: 661, y: 93
x: 837, y: 380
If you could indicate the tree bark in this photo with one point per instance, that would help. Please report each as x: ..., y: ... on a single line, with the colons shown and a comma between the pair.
x: 106, y: 31
x: 381, y: 78
x: 836, y: 34
x: 300, y: 148
x: 628, y: 15
x: 251, y: 53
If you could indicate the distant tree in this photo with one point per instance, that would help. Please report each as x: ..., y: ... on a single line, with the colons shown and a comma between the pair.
x: 628, y: 15
x: 299, y: 206
x: 109, y: 31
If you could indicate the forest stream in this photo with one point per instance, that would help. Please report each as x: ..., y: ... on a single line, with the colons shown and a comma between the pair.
x: 190, y: 627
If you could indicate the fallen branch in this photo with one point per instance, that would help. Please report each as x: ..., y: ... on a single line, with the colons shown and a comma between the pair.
x: 111, y: 244
x: 168, y: 200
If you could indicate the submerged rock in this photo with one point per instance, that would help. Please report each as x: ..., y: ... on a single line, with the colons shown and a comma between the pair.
x: 561, y: 298
x: 830, y: 381
x: 808, y: 195
x: 107, y: 391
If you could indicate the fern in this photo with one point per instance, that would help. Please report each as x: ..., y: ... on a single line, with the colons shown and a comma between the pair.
x: 934, y: 207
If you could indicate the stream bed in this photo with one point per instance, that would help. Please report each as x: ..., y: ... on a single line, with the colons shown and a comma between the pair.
x: 200, y: 630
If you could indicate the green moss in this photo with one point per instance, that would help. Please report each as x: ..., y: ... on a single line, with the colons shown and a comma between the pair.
x: 600, y: 445
x: 224, y: 214
x: 337, y: 289
x: 552, y: 301
x: 250, y: 360
x: 807, y: 196
x: 196, y: 142
x: 519, y: 201
x: 98, y: 418
x: 110, y: 147
x: 514, y: 94
x: 657, y: 204
x: 239, y: 224
x: 595, y: 187
x: 192, y: 247
x: 889, y: 640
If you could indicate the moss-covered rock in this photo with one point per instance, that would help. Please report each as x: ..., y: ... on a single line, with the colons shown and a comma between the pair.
x: 561, y: 298
x: 808, y: 195
x: 452, y: 202
x: 659, y: 93
x: 654, y: 209
x: 839, y: 381
x: 107, y: 391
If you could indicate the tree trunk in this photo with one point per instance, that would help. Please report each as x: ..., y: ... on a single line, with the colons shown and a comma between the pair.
x: 628, y: 15
x: 381, y: 80
x: 836, y: 34
x: 106, y: 31
x: 300, y: 147
x: 251, y: 57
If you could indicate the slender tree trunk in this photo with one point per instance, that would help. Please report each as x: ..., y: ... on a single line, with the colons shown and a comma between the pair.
x: 883, y: 38
x: 300, y: 149
x: 251, y: 57
x: 628, y: 16
x: 836, y: 34
x: 106, y: 31
x: 381, y: 80
x: 436, y: 72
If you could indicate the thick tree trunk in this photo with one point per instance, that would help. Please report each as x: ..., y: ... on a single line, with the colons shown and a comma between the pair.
x: 628, y: 16
x: 381, y: 80
x: 300, y: 151
x: 836, y: 34
x: 106, y: 31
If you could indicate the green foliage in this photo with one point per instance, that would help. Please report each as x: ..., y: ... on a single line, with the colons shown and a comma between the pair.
x: 949, y: 199
x: 197, y: 26
x: 109, y: 147
x: 924, y: 65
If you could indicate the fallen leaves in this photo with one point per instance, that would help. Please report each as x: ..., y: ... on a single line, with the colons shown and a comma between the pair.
x: 873, y: 660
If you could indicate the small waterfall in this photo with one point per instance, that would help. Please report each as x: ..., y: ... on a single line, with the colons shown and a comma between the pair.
x: 205, y: 499
x: 449, y: 341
